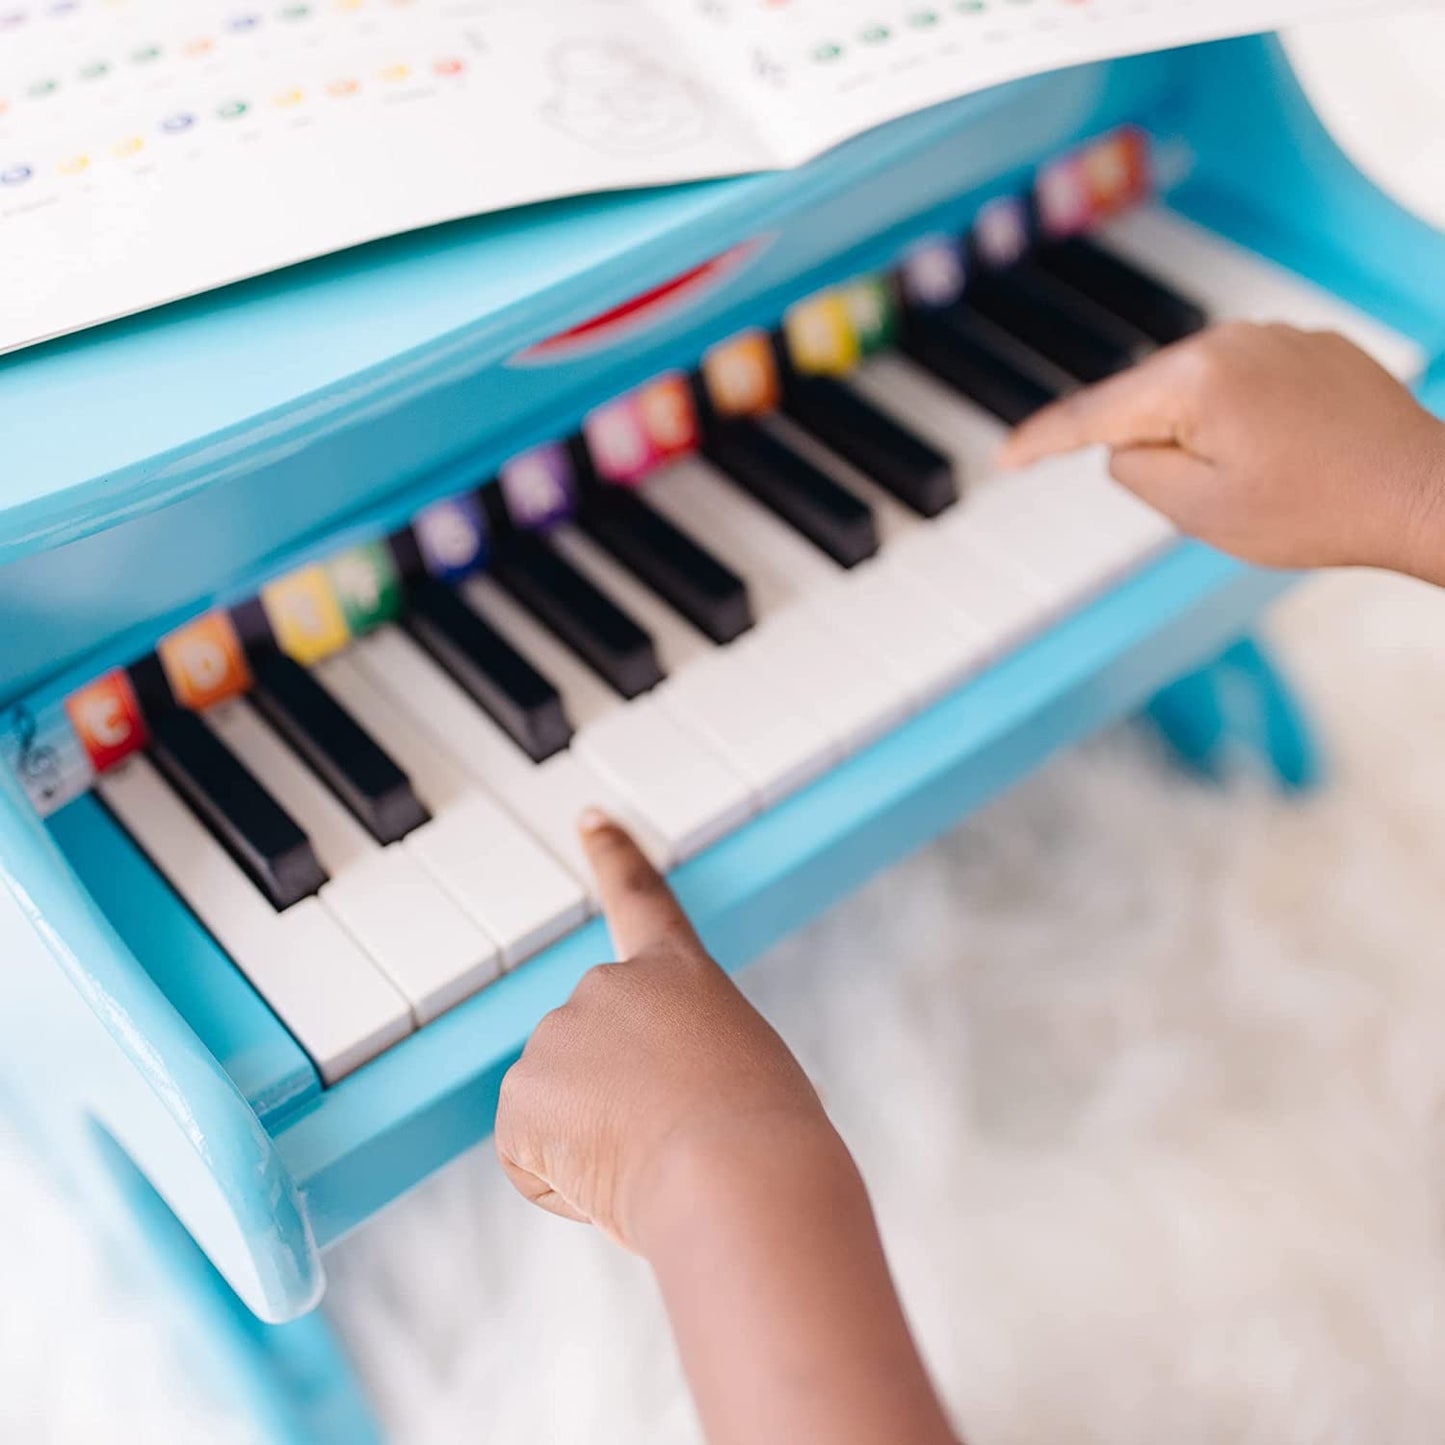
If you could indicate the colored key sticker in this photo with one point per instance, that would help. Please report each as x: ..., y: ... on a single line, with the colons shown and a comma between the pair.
x: 107, y: 719
x: 618, y: 442
x: 43, y: 752
x: 873, y: 313
x: 540, y: 488
x: 1065, y: 207
x: 1117, y: 171
x: 367, y: 585
x: 934, y: 273
x: 452, y: 536
x: 820, y: 335
x: 668, y: 416
x: 741, y: 375
x: 204, y: 661
x: 1002, y: 233
x: 306, y: 615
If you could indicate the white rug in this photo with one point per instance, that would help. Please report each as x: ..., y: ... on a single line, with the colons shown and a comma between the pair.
x: 1146, y: 1079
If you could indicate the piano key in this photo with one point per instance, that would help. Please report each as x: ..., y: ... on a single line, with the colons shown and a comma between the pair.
x: 496, y: 870
x: 358, y: 771
x: 673, y: 564
x: 956, y: 348
x: 336, y: 1003
x: 826, y: 514
x: 854, y: 692
x: 759, y: 722
x: 250, y: 824
x: 585, y: 696
x: 1233, y: 284
x: 1159, y: 311
x: 686, y: 791
x: 547, y: 798
x: 900, y: 461
x: 419, y: 938
x: 215, y: 998
x: 513, y: 692
x: 988, y: 578
x: 1044, y: 316
x: 598, y: 631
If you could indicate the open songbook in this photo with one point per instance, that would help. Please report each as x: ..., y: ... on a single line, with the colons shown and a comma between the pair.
x: 150, y: 150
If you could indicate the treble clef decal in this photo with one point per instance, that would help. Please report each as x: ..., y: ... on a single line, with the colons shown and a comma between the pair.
x: 36, y: 764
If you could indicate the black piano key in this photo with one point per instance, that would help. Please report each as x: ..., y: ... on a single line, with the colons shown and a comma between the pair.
x: 823, y: 510
x: 517, y: 697
x: 591, y: 624
x: 252, y: 826
x: 1145, y: 302
x: 684, y: 574
x: 897, y: 459
x: 356, y: 769
x: 957, y: 350
x: 1045, y: 317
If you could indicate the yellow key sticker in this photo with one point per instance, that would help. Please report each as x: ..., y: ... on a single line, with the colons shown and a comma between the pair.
x: 305, y: 615
x: 821, y: 336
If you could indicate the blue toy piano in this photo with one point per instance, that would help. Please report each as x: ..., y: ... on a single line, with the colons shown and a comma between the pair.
x: 330, y: 599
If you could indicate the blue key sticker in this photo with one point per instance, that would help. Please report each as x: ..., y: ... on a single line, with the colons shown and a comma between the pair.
x: 45, y: 754
x: 540, y: 488
x: 452, y: 536
x: 934, y: 273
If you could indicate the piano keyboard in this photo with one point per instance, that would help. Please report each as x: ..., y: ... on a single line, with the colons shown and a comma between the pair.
x: 372, y: 834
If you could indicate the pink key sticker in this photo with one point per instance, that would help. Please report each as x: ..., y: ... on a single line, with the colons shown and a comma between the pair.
x: 617, y: 439
x: 1065, y: 206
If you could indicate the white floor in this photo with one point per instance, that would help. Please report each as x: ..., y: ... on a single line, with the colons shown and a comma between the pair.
x: 1148, y: 1082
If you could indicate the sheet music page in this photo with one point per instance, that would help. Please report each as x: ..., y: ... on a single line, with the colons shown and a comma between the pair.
x: 151, y: 149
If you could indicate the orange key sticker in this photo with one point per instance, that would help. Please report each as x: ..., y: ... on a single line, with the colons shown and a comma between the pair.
x: 1116, y: 171
x: 741, y: 375
x: 305, y: 614
x: 204, y: 661
x: 107, y: 719
x: 668, y: 417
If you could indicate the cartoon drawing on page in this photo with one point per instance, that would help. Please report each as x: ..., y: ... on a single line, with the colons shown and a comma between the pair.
x: 614, y: 97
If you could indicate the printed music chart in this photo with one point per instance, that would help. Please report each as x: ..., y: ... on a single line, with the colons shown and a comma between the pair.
x: 152, y: 149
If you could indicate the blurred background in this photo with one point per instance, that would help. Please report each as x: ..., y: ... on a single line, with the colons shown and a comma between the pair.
x: 1147, y: 1081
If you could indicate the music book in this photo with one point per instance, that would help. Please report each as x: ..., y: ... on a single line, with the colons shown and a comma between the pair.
x: 150, y: 150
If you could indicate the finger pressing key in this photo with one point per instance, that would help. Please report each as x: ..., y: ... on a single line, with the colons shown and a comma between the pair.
x: 639, y: 907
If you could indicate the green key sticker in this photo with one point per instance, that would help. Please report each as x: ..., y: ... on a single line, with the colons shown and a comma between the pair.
x: 873, y: 312
x: 367, y: 586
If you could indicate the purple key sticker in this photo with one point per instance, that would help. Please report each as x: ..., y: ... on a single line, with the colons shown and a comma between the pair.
x: 452, y: 536
x: 934, y: 273
x: 1001, y: 231
x: 540, y: 488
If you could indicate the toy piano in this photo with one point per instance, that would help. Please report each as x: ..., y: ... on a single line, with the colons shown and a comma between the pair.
x: 329, y: 600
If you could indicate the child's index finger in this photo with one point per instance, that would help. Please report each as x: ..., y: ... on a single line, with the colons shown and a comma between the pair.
x: 639, y: 907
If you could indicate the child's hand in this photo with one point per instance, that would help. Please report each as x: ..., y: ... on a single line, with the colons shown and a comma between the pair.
x: 1283, y: 447
x: 649, y: 1057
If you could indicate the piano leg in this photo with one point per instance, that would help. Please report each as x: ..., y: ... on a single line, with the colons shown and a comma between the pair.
x: 1238, y: 706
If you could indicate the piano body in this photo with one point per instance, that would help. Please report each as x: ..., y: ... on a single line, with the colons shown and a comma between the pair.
x: 256, y: 985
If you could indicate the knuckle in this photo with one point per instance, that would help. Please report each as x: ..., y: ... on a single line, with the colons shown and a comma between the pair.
x: 598, y: 980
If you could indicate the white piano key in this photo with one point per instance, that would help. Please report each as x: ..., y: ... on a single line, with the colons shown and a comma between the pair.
x: 487, y: 861
x: 339, y: 1006
x: 691, y: 796
x: 1237, y: 285
x: 756, y: 720
x: 414, y: 931
x: 546, y: 798
x: 681, y: 785
x: 855, y: 691
x: 585, y: 696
